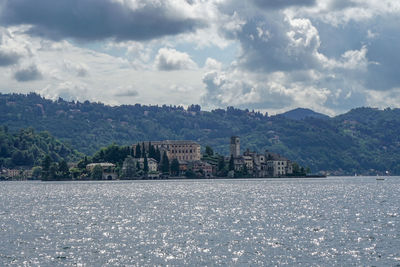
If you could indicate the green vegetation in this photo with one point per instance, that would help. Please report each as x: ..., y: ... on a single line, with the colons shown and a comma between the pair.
x: 362, y: 141
x: 26, y: 148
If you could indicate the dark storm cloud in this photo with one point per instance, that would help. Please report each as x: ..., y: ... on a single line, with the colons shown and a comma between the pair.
x: 30, y: 73
x: 8, y: 58
x: 95, y: 19
x: 277, y: 4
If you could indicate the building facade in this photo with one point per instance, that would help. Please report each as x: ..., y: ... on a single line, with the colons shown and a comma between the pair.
x: 178, y: 149
x: 108, y: 170
x: 151, y: 163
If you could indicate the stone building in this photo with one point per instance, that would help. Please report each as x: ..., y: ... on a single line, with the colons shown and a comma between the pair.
x: 278, y: 165
x: 151, y: 163
x: 177, y: 149
x: 259, y: 165
x: 108, y: 170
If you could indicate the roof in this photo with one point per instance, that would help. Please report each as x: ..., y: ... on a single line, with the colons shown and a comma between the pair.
x: 102, y: 164
x: 175, y: 142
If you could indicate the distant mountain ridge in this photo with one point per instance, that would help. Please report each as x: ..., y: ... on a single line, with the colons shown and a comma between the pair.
x: 362, y: 141
x: 303, y: 113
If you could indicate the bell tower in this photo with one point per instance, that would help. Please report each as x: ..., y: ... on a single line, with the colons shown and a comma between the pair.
x: 235, y: 146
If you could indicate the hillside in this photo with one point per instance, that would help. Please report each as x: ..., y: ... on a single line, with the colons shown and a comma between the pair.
x: 363, y: 141
x: 26, y: 148
x: 302, y: 113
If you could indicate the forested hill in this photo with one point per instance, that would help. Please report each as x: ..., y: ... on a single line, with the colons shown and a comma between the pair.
x: 362, y: 141
x: 26, y: 148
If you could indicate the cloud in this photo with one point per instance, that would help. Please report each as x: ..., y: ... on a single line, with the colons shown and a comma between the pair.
x: 11, y: 52
x: 67, y: 90
x: 8, y: 58
x: 278, y: 43
x: 27, y: 74
x: 212, y: 64
x: 100, y: 19
x: 275, y: 4
x: 78, y: 69
x: 169, y: 59
x: 127, y: 93
x: 329, y: 55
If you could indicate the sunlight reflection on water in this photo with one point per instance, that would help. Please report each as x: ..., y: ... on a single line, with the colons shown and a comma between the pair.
x: 334, y: 221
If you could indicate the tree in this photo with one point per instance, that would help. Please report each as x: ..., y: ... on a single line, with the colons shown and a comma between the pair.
x: 145, y: 164
x: 46, y: 167
x: 296, y: 168
x: 245, y: 170
x: 97, y: 172
x: 175, y: 167
x: 221, y: 163
x: 138, y: 152
x: 36, y: 172
x: 165, y: 163
x: 128, y: 168
x: 63, y: 169
x: 82, y: 164
x: 231, y: 164
x: 152, y: 151
x: 18, y: 157
x: 53, y: 169
x: 143, y: 150
x: 209, y: 151
x: 190, y: 174
x: 137, y: 165
x: 75, y: 172
x: 158, y: 155
x: 194, y: 108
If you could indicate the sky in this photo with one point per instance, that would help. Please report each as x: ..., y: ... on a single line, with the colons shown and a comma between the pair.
x: 267, y: 55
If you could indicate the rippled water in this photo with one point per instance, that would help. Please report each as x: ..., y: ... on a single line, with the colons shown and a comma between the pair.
x: 334, y: 221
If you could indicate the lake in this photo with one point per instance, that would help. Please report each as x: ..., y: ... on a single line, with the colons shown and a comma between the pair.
x: 337, y: 221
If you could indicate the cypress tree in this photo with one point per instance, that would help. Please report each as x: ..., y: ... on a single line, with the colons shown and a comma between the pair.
x: 158, y: 155
x: 138, y: 152
x: 143, y: 150
x: 145, y: 165
x: 175, y: 167
x: 221, y: 163
x: 231, y: 164
x: 152, y: 151
x: 137, y: 165
x: 165, y: 163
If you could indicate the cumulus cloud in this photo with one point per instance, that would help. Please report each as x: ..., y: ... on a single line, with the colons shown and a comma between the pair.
x: 27, y: 74
x: 100, y: 19
x: 329, y: 55
x: 11, y: 51
x: 67, y: 90
x: 170, y: 59
x: 212, y: 64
